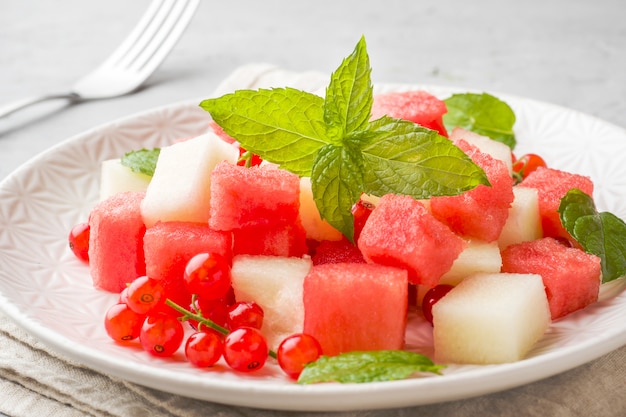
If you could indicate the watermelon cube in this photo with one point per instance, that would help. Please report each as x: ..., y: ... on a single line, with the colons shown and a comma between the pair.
x: 490, y: 318
x: 276, y: 284
x: 256, y: 196
x: 116, y: 255
x: 355, y: 306
x: 337, y: 251
x: 552, y: 185
x: 480, y: 213
x: 401, y: 232
x: 168, y: 246
x: 419, y: 107
x: 272, y: 240
x: 571, y: 276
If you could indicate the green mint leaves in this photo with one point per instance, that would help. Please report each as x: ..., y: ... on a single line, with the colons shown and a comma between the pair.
x: 602, y: 234
x: 483, y: 114
x: 374, y: 366
x: 333, y: 141
x: 143, y: 161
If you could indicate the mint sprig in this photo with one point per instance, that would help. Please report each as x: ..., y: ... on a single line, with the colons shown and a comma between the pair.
x: 333, y: 141
x: 483, y: 114
x: 374, y: 366
x: 602, y: 234
x: 142, y: 161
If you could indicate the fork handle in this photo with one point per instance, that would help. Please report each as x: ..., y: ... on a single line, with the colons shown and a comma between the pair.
x: 29, y: 101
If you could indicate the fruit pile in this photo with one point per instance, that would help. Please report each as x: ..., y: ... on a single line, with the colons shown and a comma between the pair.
x: 240, y: 246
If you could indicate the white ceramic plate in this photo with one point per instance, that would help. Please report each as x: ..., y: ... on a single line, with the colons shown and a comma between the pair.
x: 49, y: 293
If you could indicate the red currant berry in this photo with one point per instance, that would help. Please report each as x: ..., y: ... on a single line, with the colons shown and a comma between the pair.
x: 79, y: 241
x: 245, y: 314
x: 527, y: 164
x: 161, y: 334
x: 123, y: 298
x: 296, y: 351
x: 431, y: 297
x: 144, y: 294
x: 248, y: 159
x: 214, y: 310
x: 204, y: 349
x: 361, y: 211
x: 208, y: 276
x: 122, y: 324
x: 245, y: 349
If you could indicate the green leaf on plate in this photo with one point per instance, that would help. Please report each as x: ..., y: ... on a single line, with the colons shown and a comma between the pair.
x: 359, y: 367
x: 142, y: 161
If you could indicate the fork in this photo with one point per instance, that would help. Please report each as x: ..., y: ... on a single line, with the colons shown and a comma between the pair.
x: 133, y: 61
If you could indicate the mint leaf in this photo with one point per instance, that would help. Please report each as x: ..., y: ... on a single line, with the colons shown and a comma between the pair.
x: 336, y: 182
x: 404, y: 158
x: 282, y: 125
x: 358, y: 367
x: 142, y: 161
x: 602, y: 234
x: 483, y: 114
x: 351, y: 93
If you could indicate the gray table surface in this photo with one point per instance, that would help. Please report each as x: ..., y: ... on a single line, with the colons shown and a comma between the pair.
x: 571, y: 53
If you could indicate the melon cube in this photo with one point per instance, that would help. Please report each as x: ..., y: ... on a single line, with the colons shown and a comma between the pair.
x: 117, y: 178
x: 479, y: 213
x: 316, y: 227
x: 478, y: 256
x: 276, y: 284
x: 418, y: 106
x: 401, y: 232
x: 552, y: 185
x: 274, y: 240
x: 116, y: 255
x: 524, y: 222
x: 571, y: 276
x: 168, y: 246
x: 485, y: 144
x: 355, y: 306
x: 490, y: 318
x: 256, y: 196
x: 180, y: 189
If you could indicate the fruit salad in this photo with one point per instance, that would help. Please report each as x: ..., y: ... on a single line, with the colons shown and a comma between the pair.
x: 307, y: 230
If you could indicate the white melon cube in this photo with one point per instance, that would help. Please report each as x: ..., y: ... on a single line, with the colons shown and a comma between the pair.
x: 117, y: 178
x: 485, y: 144
x: 181, y: 186
x: 524, y: 221
x: 276, y: 284
x: 490, y: 318
x: 478, y: 256
x: 316, y: 227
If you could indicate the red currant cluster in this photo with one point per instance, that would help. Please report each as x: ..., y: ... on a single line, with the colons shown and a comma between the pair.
x: 220, y: 326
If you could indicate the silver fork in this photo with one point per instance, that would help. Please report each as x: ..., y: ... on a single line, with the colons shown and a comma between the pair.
x: 133, y: 61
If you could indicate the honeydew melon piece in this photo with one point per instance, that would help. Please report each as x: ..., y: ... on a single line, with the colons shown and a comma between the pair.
x: 276, y: 284
x: 117, y: 178
x: 181, y: 185
x: 524, y: 221
x: 490, y: 319
x: 496, y: 149
x: 478, y: 256
x: 316, y: 227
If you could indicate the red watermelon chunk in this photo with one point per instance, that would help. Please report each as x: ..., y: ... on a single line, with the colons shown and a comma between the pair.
x: 417, y: 106
x: 355, y: 306
x: 116, y: 254
x: 480, y: 213
x: 272, y: 240
x: 170, y: 245
x: 257, y: 196
x: 571, y: 276
x: 401, y: 232
x: 552, y: 185
x: 337, y: 251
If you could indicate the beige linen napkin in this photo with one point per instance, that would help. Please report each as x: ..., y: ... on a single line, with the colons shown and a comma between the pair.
x: 36, y: 381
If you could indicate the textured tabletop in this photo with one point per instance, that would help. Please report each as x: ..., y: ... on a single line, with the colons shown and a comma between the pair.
x: 569, y: 53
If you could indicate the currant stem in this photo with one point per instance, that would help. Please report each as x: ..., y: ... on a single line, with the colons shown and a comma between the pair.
x: 188, y: 315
